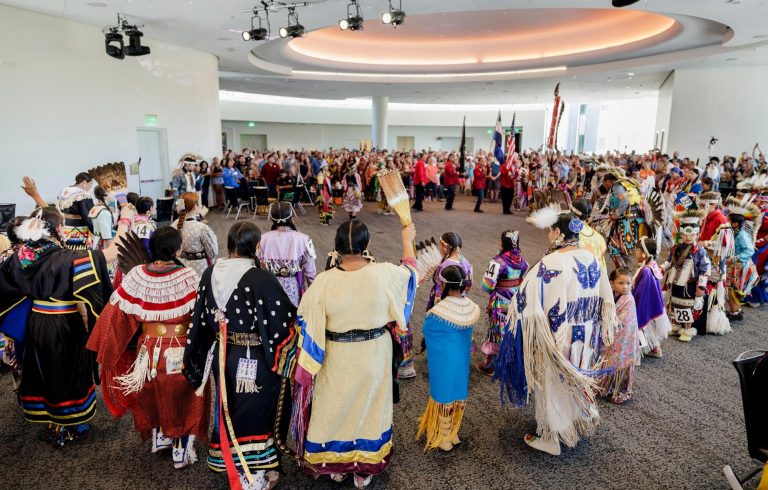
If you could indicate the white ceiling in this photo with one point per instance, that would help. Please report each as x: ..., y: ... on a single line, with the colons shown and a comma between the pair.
x: 214, y: 26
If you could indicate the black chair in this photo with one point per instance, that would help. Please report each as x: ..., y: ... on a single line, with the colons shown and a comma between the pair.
x: 262, y: 200
x: 752, y: 367
x: 7, y: 212
x: 164, y: 211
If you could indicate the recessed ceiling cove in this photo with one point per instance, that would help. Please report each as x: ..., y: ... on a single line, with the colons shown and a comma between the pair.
x: 483, y: 41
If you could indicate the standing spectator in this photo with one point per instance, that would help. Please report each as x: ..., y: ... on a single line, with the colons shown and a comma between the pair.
x: 433, y: 179
x: 231, y: 176
x: 270, y: 172
x: 507, y: 183
x: 492, y: 180
x: 217, y: 181
x: 451, y: 179
x: 479, y: 182
x: 419, y: 182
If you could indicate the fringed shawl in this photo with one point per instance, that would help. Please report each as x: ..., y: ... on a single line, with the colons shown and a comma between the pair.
x: 458, y: 312
x: 157, y: 296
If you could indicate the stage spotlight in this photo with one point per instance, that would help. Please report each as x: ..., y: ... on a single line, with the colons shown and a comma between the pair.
x: 394, y: 16
x: 293, y: 29
x: 114, y: 44
x: 353, y: 22
x: 257, y: 33
x: 134, y: 47
x: 623, y: 3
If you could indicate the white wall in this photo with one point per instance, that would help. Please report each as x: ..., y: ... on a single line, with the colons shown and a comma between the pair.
x: 664, y: 112
x: 729, y: 104
x: 322, y: 136
x: 627, y: 125
x: 67, y: 106
x: 295, y: 126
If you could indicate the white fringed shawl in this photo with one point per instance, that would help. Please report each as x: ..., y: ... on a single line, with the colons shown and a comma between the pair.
x: 553, y: 289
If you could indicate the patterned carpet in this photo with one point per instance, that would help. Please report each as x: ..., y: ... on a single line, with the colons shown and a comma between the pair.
x: 685, y: 423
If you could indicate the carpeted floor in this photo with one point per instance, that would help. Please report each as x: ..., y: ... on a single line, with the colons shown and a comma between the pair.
x: 685, y: 423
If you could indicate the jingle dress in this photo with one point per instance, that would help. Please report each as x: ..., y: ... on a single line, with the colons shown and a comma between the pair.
x: 139, y: 340
x: 246, y: 306
x: 501, y: 280
x: 199, y: 247
x: 345, y: 366
x: 290, y: 256
x: 652, y: 320
x: 562, y: 315
x: 58, y: 382
x: 448, y: 330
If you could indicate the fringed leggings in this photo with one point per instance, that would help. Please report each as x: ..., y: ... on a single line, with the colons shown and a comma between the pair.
x: 441, y: 421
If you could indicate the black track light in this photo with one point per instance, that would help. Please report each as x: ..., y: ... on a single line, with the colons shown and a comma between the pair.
x: 394, y: 16
x: 293, y: 29
x: 134, y: 47
x: 623, y: 3
x: 113, y: 41
x: 257, y: 32
x: 354, y: 21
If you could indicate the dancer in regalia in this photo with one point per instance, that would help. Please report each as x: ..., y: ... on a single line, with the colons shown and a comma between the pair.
x: 759, y: 294
x: 288, y: 253
x: 200, y: 246
x: 687, y: 271
x: 589, y: 238
x: 450, y: 247
x: 347, y: 364
x: 628, y: 224
x: 717, y: 238
x: 242, y: 328
x: 448, y: 330
x: 68, y: 290
x: 324, y: 195
x: 353, y: 192
x: 620, y: 356
x: 501, y: 280
x: 139, y: 340
x: 75, y: 203
x: 102, y: 220
x: 562, y: 314
x: 745, y: 218
x: 652, y: 320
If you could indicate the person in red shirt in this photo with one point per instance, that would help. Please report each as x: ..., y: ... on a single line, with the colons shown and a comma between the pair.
x: 419, y: 182
x: 478, y: 183
x: 450, y: 180
x: 270, y: 172
x: 507, y: 183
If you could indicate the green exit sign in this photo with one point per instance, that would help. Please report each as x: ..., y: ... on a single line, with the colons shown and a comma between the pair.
x: 150, y: 120
x: 251, y: 124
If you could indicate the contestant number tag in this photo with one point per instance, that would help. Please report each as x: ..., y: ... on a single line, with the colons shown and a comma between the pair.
x: 683, y: 315
x: 246, y: 369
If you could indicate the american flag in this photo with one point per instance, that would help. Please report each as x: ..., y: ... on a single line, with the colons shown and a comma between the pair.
x: 511, y: 144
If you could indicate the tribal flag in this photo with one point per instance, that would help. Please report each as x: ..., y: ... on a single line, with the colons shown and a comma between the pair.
x: 497, y: 145
x: 511, y: 145
x: 555, y: 111
x: 463, y: 146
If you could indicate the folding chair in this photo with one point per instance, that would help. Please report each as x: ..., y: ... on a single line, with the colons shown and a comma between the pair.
x: 240, y: 205
x: 164, y: 211
x: 752, y: 367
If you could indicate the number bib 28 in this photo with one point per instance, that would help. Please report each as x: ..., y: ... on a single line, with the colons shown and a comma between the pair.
x: 683, y: 315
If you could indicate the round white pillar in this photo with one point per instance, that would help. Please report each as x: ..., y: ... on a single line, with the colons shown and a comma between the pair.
x: 379, y: 108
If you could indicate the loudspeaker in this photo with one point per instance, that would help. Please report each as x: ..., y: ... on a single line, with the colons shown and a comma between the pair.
x: 7, y: 212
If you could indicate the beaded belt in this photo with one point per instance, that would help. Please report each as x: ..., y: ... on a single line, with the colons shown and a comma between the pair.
x: 509, y: 283
x: 194, y: 255
x: 284, y: 272
x: 54, y: 307
x: 243, y: 339
x: 355, y: 335
x: 164, y: 330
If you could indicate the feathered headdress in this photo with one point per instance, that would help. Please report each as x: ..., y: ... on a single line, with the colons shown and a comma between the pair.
x: 690, y: 220
x: 745, y: 206
x: 758, y: 183
x: 33, y: 228
x: 710, y: 197
x: 545, y: 217
x: 111, y: 177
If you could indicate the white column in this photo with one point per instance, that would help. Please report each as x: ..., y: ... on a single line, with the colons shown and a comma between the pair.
x: 379, y: 108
